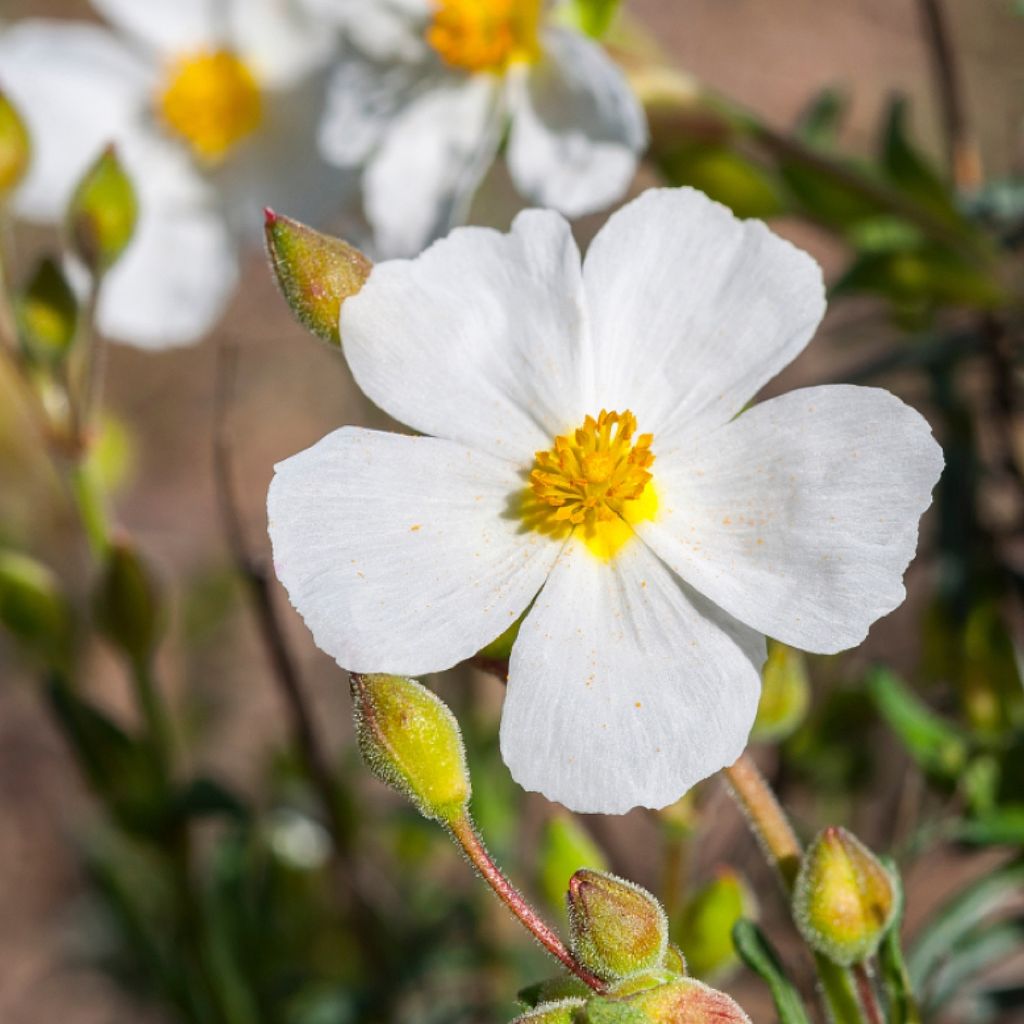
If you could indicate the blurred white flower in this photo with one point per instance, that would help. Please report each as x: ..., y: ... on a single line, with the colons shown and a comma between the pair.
x: 426, y: 90
x: 652, y: 564
x: 212, y: 105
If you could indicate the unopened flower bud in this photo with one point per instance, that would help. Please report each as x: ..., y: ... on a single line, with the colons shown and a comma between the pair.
x: 564, y: 1011
x: 844, y: 898
x: 705, y: 926
x: 682, y: 1001
x: 785, y: 695
x: 15, y: 148
x: 103, y: 213
x: 47, y: 314
x: 617, y: 928
x: 33, y: 609
x: 674, y: 960
x: 411, y: 740
x: 127, y: 603
x: 316, y: 273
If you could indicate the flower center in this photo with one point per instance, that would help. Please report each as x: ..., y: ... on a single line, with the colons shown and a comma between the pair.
x: 212, y: 100
x: 596, y: 478
x: 485, y: 35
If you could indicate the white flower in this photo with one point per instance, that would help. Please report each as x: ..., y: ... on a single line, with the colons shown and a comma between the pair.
x: 656, y: 563
x: 423, y: 97
x: 212, y: 107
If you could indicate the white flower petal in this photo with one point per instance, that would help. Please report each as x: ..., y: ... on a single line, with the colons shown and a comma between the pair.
x: 480, y: 340
x: 577, y: 128
x: 180, y: 270
x: 800, y: 517
x: 363, y: 98
x: 279, y: 40
x: 168, y: 27
x: 78, y: 89
x: 693, y: 311
x: 419, y: 182
x: 625, y: 689
x: 399, y: 552
x: 384, y: 30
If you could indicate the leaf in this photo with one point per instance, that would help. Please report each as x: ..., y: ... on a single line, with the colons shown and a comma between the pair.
x: 936, y: 746
x: 820, y: 121
x: 206, y: 798
x: 903, y: 1007
x: 727, y: 177
x: 594, y: 17
x: 757, y: 953
x: 1003, y: 827
x: 958, y: 917
x: 977, y: 951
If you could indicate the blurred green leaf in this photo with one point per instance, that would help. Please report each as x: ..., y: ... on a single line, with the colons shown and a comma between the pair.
x: 1003, y: 827
x: 958, y: 917
x: 822, y: 197
x: 565, y: 847
x: 594, y: 17
x: 819, y: 123
x: 757, y: 953
x: 128, y: 603
x: 726, y: 176
x: 980, y: 950
x: 935, y: 745
x: 206, y: 798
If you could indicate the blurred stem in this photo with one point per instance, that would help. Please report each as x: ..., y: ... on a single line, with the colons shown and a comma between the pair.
x: 8, y: 330
x: 768, y: 822
x: 465, y: 834
x: 156, y: 722
x: 84, y: 394
x: 964, y: 155
x: 91, y: 505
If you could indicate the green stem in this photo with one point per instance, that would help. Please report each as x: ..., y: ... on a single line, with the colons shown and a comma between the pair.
x: 91, y: 506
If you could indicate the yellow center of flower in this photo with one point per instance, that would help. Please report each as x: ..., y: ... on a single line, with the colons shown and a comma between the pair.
x: 596, y: 479
x: 212, y: 100
x: 485, y: 35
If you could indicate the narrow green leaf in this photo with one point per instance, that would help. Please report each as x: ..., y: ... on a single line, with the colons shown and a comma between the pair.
x: 1001, y: 827
x: 958, y: 917
x: 936, y: 746
x: 821, y: 119
x: 979, y: 950
x: 757, y: 953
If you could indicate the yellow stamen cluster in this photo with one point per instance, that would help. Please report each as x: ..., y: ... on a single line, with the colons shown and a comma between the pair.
x: 589, y: 475
x: 485, y: 35
x: 212, y: 100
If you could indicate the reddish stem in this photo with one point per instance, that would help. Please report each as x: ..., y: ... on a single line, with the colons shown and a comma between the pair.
x: 466, y: 836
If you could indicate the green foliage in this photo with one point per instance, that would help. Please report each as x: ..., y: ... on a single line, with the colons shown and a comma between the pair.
x: 895, y: 977
x: 757, y: 953
x: 594, y: 17
x: 565, y: 847
x: 47, y: 314
x: 128, y: 604
x: 704, y: 927
x: 34, y: 610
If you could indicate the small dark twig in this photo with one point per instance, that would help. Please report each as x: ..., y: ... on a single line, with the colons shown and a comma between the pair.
x: 964, y: 156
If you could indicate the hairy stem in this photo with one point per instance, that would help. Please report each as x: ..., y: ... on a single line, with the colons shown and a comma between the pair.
x: 466, y: 835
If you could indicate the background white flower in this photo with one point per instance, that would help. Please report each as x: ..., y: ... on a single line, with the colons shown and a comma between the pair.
x: 213, y: 108
x: 427, y: 88
x: 636, y: 670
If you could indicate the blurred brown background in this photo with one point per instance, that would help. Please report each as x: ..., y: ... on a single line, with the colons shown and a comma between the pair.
x: 771, y: 55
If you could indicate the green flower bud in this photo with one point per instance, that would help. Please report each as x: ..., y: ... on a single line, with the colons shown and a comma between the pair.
x: 617, y: 928
x: 641, y: 982
x: 785, y: 695
x: 127, y: 604
x: 15, y: 148
x: 565, y: 1011
x: 103, y: 213
x: 844, y: 898
x: 552, y: 990
x: 565, y: 847
x: 33, y: 609
x: 704, y: 928
x: 316, y: 273
x: 682, y: 1001
x: 411, y: 740
x: 47, y: 314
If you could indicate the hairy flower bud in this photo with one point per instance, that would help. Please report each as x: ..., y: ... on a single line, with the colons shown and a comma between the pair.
x: 316, y: 273
x: 127, y: 604
x: 785, y: 694
x: 682, y: 1001
x: 15, y: 148
x: 103, y: 213
x: 411, y: 740
x: 33, y: 609
x: 564, y: 1011
x: 47, y: 314
x: 617, y: 928
x: 844, y: 898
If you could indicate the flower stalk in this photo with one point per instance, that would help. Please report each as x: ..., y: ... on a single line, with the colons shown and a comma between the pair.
x: 465, y: 834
